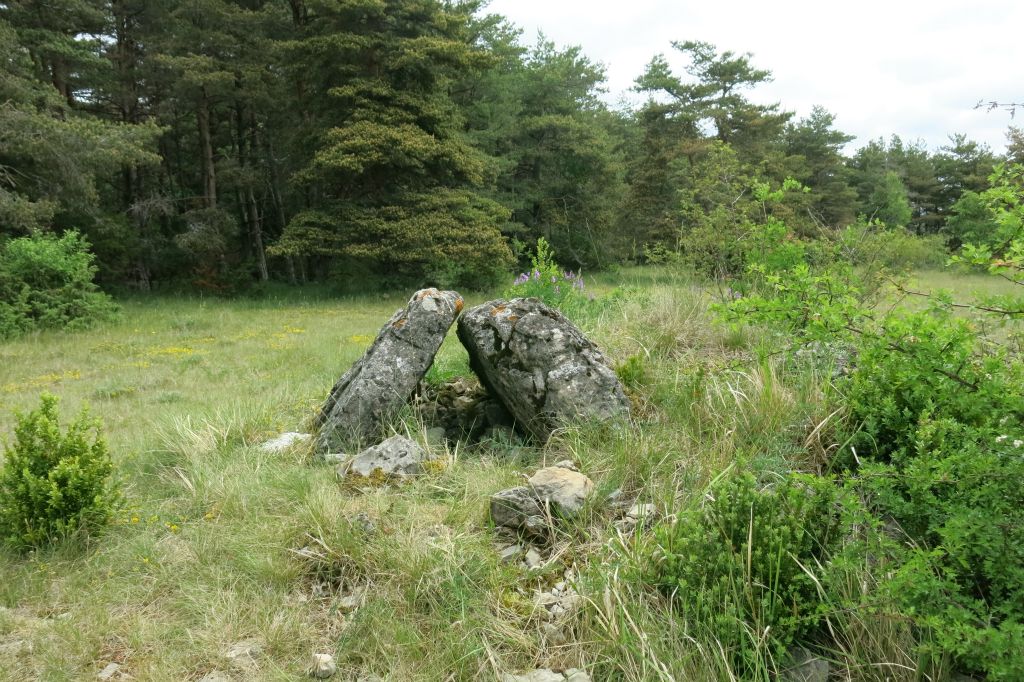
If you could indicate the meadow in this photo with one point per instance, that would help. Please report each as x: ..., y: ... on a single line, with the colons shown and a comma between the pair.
x: 227, y: 558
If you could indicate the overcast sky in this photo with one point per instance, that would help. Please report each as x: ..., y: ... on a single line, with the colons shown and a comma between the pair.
x: 911, y: 67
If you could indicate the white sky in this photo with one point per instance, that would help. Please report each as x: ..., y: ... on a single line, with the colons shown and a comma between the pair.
x: 911, y: 67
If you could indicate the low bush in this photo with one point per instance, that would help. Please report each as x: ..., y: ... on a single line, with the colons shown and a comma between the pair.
x: 895, y: 249
x: 54, y: 484
x: 46, y: 281
x: 936, y: 451
x: 746, y: 566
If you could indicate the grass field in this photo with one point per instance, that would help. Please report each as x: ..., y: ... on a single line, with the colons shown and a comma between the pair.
x: 227, y: 558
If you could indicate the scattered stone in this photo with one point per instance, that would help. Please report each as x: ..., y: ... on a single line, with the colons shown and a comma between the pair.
x: 540, y: 675
x: 462, y: 409
x: 323, y: 666
x: 533, y: 558
x: 14, y: 647
x: 333, y: 458
x: 436, y: 436
x: 387, y: 375
x: 519, y: 509
x: 243, y: 654
x: 510, y: 553
x: 541, y: 367
x: 564, y: 488
x: 554, y: 634
x: 363, y: 522
x: 350, y: 602
x: 548, y: 675
x: 108, y: 672
x: 641, y: 511
x: 397, y: 456
x: 807, y: 668
x: 285, y: 442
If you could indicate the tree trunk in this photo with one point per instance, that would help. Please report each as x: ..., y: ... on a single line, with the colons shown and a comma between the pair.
x: 256, y: 228
x: 206, y: 142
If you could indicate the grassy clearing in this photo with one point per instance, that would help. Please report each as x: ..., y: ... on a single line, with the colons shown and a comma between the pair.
x: 222, y: 543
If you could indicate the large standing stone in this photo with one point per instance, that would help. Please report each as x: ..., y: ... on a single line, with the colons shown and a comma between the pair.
x: 384, y: 379
x: 540, y: 365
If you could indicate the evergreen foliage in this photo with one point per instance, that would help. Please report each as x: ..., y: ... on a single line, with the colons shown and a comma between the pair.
x: 52, y: 483
x: 407, y: 142
x: 46, y: 282
x: 747, y: 564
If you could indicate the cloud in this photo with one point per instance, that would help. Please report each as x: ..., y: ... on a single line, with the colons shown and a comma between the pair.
x: 883, y: 67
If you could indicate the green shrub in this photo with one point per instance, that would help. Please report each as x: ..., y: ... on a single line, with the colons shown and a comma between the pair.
x: 896, y: 249
x: 47, y: 282
x: 53, y: 484
x: 745, y: 567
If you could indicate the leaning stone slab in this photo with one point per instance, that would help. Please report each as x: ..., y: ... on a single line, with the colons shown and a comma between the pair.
x: 384, y: 379
x: 544, y: 370
x: 397, y: 457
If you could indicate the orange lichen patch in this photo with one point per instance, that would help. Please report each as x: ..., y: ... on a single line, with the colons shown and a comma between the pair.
x: 458, y: 306
x: 513, y: 318
x: 498, y: 309
x: 399, y: 323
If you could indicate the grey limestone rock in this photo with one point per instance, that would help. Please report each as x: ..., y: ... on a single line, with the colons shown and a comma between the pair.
x: 517, y: 508
x: 384, y: 379
x: 807, y: 668
x: 397, y: 456
x: 541, y: 367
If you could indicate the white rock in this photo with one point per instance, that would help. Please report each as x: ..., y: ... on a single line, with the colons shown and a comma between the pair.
x: 576, y: 675
x: 285, y: 441
x: 533, y: 558
x: 108, y: 672
x: 641, y: 511
x: 323, y: 666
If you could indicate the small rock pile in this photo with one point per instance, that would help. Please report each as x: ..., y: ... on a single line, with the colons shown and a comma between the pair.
x: 552, y: 493
x: 464, y: 410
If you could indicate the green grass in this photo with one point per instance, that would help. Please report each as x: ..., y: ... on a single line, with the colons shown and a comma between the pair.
x: 221, y: 543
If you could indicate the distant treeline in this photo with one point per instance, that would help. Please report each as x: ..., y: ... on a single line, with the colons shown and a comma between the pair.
x: 381, y: 142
